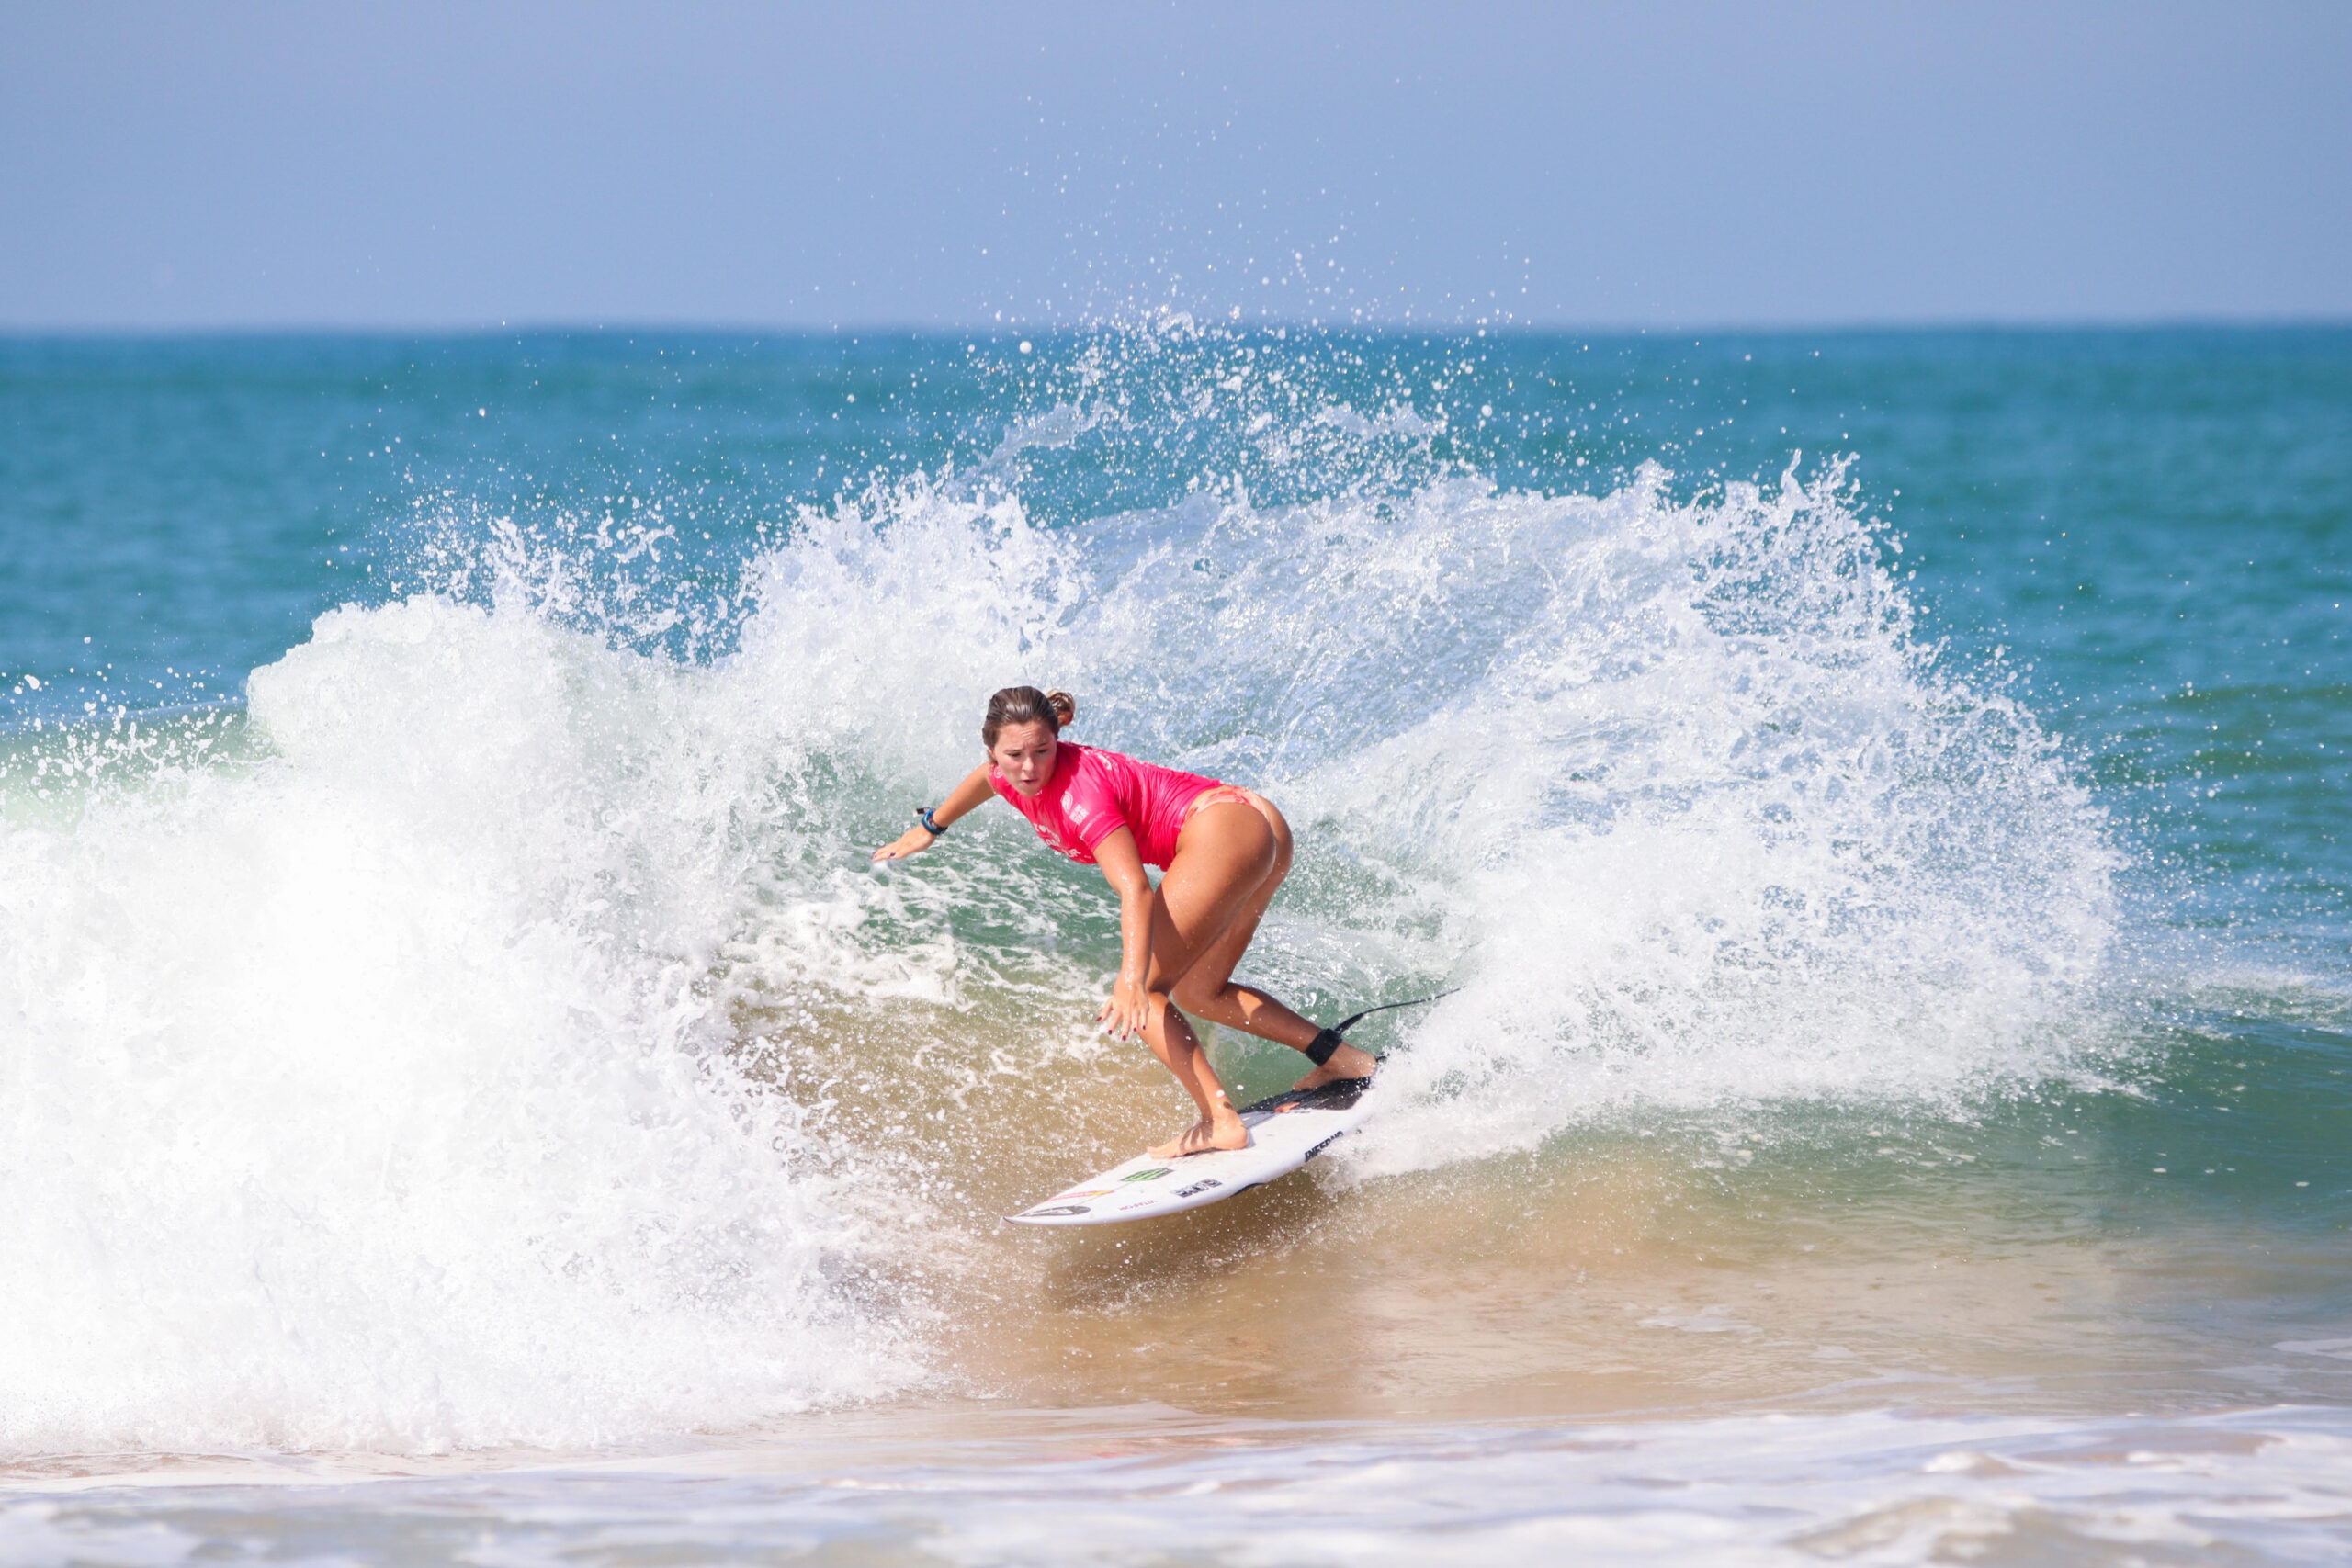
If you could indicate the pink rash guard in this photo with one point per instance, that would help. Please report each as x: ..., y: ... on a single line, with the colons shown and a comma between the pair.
x: 1094, y: 793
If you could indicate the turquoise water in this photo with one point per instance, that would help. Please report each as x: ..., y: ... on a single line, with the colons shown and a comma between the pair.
x: 1878, y: 794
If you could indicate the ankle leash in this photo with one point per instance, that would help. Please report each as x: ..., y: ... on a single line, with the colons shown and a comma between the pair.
x: 1330, y: 1040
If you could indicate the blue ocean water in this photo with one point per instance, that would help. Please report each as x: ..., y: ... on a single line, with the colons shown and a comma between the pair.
x: 1879, y: 795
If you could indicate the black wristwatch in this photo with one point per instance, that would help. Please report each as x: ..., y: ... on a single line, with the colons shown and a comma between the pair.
x: 930, y: 823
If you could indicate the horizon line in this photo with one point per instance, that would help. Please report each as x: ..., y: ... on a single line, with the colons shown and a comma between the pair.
x: 560, y: 327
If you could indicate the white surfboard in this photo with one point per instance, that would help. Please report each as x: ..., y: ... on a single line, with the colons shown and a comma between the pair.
x: 1285, y: 1131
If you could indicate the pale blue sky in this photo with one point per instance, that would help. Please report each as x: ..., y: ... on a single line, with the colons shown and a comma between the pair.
x: 429, y: 165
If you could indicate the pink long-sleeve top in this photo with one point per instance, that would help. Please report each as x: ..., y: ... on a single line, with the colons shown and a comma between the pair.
x: 1094, y: 793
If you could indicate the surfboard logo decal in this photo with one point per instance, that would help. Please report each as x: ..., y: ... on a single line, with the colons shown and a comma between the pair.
x: 1072, y: 1197
x: 1201, y: 1186
x: 1057, y: 1212
x: 1148, y: 1175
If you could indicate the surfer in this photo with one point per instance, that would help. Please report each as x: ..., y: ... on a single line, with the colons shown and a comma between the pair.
x: 1225, y: 850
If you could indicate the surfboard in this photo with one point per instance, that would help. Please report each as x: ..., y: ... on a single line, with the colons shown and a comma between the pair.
x: 1285, y: 1131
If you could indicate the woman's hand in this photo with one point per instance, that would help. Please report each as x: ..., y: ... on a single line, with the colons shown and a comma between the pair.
x: 1124, y: 1015
x: 913, y: 841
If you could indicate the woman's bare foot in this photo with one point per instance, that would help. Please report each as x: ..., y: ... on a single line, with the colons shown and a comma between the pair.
x: 1220, y: 1133
x: 1347, y: 1062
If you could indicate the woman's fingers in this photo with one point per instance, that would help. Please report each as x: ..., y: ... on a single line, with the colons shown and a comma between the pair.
x: 1125, y: 1015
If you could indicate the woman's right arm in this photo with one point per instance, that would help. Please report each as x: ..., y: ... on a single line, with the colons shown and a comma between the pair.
x: 961, y: 799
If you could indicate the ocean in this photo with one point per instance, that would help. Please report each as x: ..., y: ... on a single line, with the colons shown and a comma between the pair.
x: 1877, y: 800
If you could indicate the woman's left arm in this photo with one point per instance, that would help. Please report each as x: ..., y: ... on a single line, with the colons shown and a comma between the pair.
x: 1129, y: 1008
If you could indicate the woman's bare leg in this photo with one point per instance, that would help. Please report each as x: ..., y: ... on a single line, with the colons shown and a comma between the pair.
x: 1205, y: 988
x: 1171, y: 1039
x: 1225, y: 856
x: 1231, y: 859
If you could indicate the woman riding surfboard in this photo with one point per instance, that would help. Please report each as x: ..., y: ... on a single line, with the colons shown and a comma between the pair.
x: 1225, y: 850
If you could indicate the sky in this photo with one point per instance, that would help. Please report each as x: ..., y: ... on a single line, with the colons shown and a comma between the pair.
x: 452, y: 166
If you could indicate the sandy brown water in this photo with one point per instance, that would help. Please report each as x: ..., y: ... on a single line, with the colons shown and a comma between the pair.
x: 1843, y: 1262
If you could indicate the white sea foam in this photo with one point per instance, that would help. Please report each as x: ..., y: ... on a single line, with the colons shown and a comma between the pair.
x: 391, y: 1083
x: 364, y: 1092
x: 1088, y: 1487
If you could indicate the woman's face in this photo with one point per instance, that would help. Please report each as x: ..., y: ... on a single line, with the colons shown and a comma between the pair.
x: 1024, y: 753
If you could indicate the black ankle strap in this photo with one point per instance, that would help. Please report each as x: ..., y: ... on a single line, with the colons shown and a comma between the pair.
x: 1330, y: 1040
